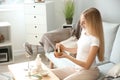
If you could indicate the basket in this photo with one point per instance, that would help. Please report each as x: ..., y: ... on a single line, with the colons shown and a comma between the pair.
x: 1, y: 38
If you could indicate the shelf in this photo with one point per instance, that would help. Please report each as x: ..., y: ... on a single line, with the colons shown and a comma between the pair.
x: 6, y: 43
x: 4, y: 24
x: 9, y: 62
x: 68, y: 25
x: 6, y: 51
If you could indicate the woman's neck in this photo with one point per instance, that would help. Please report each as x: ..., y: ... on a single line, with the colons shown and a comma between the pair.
x: 86, y: 31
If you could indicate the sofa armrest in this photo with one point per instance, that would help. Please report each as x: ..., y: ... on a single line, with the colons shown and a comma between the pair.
x: 50, y: 38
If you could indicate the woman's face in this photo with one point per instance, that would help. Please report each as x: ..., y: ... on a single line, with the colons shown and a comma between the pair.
x: 82, y: 21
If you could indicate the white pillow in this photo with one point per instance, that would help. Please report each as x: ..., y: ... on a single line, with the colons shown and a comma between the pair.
x: 110, y: 30
x: 70, y: 42
x: 114, y: 71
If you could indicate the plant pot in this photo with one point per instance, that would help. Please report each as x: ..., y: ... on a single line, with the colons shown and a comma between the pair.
x: 69, y: 21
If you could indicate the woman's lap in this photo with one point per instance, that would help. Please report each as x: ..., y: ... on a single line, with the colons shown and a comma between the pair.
x: 63, y: 72
x: 69, y: 73
x: 84, y: 75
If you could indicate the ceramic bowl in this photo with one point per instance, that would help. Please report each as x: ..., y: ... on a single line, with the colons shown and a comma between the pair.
x: 44, y: 73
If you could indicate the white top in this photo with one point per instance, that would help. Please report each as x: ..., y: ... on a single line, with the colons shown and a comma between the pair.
x: 84, y: 43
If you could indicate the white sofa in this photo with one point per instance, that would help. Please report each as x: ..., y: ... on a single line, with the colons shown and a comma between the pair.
x: 112, y: 49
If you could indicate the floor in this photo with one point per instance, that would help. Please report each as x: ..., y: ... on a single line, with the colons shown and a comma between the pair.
x: 23, y: 58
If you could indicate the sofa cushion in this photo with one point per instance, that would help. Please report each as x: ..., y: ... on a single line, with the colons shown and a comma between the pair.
x: 115, y: 54
x: 114, y: 71
x: 70, y: 42
x: 110, y: 30
x: 106, y: 67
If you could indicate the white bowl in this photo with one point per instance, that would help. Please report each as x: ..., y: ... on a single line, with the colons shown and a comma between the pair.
x: 44, y: 73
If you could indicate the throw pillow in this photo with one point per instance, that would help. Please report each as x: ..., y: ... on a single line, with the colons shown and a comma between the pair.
x: 115, y: 53
x: 49, y: 39
x: 70, y: 42
x: 110, y: 30
x: 114, y: 71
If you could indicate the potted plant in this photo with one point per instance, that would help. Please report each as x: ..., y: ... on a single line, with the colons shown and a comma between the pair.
x: 69, y: 11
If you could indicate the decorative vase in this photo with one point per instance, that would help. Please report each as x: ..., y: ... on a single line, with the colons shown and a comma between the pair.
x: 69, y: 20
x: 1, y: 38
x: 38, y: 63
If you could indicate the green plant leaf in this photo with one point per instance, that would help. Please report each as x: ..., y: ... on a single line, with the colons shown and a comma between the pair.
x: 69, y: 9
x: 37, y: 76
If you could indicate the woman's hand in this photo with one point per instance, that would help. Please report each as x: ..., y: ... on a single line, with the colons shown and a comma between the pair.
x: 60, y: 46
x: 62, y: 49
x: 64, y: 55
x: 57, y: 45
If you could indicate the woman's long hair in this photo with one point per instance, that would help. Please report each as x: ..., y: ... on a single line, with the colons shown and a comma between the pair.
x: 77, y: 30
x: 95, y: 27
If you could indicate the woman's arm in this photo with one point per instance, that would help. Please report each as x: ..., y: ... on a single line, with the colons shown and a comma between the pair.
x: 71, y: 50
x: 91, y: 57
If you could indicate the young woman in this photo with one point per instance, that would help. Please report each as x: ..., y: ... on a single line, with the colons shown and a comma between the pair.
x: 89, y: 45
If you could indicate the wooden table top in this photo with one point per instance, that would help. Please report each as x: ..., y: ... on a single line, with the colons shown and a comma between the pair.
x: 19, y: 72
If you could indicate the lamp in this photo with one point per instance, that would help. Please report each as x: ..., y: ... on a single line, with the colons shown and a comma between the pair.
x: 29, y: 53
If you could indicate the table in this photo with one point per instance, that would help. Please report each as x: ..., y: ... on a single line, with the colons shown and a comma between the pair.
x: 19, y: 73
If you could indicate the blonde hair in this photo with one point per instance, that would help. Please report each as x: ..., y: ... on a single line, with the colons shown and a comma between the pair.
x: 94, y: 27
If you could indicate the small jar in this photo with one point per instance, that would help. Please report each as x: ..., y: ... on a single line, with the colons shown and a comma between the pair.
x: 57, y: 53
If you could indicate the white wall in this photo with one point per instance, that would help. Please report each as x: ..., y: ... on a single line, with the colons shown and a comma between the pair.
x: 110, y: 9
x: 82, y: 5
x: 59, y: 16
x: 58, y: 7
x: 15, y: 16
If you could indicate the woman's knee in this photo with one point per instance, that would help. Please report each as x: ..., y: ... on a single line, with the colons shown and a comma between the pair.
x: 83, y: 75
